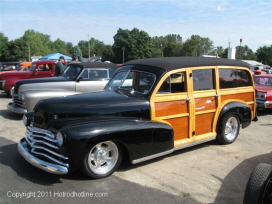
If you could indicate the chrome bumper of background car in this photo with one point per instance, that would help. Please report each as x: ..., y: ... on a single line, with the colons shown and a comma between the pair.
x: 16, y: 109
x: 46, y: 166
x: 264, y: 104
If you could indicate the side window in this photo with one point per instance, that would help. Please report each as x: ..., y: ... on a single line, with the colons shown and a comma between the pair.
x: 93, y: 74
x: 233, y: 78
x: 111, y: 72
x: 175, y: 83
x: 102, y: 74
x: 203, y: 79
x: 84, y: 74
x: 48, y: 67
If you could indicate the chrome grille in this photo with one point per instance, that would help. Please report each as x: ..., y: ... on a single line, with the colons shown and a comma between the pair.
x: 17, y: 101
x: 44, y: 146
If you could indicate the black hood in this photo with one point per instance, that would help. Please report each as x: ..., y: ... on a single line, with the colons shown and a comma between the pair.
x: 102, y: 105
x: 41, y: 80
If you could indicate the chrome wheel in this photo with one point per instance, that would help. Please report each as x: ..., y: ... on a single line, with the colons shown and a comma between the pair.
x: 231, y: 128
x: 228, y: 129
x: 103, y: 159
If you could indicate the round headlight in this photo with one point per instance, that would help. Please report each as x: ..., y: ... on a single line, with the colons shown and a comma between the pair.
x: 59, y: 139
x: 26, y: 121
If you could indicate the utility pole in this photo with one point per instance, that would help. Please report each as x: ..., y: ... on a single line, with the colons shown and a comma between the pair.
x: 240, y: 49
x: 89, y: 47
x: 29, y: 53
x: 123, y: 54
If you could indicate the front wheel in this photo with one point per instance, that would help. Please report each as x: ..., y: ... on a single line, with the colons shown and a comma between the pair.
x: 229, y: 129
x: 102, y: 160
x: 259, y: 186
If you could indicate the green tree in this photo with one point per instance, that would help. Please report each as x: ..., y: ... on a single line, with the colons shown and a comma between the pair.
x: 107, y: 54
x: 264, y: 55
x: 37, y: 43
x: 244, y: 53
x: 78, y: 53
x: 4, y: 52
x: 83, y: 45
x: 197, y: 46
x: 60, y: 46
x: 173, y: 50
x: 164, y: 44
x: 96, y: 47
x: 19, y: 50
x: 70, y: 48
x: 134, y: 44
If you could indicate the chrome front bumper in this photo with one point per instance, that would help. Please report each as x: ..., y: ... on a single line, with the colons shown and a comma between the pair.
x: 263, y: 104
x: 16, y: 109
x: 46, y: 166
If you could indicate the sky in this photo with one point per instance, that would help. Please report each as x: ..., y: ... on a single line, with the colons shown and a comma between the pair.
x: 224, y: 22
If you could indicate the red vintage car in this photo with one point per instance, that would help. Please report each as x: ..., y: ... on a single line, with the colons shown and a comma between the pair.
x: 263, y: 86
x: 38, y: 69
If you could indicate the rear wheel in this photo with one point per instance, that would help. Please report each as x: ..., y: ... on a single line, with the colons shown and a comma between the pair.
x: 102, y: 160
x: 259, y: 186
x: 229, y: 130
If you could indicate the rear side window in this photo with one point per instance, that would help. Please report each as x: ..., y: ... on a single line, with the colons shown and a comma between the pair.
x: 203, y: 79
x: 233, y: 78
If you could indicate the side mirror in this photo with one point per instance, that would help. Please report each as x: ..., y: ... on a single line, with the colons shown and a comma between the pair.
x: 79, y: 79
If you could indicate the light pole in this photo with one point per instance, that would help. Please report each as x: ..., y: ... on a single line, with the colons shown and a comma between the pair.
x: 161, y: 51
x: 240, y: 48
x: 89, y: 47
x: 123, y: 54
x: 29, y: 53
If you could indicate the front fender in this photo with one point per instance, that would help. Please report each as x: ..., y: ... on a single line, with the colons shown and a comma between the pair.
x: 9, y: 84
x: 136, y: 137
x: 31, y: 98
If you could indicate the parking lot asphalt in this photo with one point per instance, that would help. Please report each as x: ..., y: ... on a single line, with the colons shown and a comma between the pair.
x: 207, y: 173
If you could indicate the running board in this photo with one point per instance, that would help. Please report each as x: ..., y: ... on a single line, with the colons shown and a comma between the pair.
x: 136, y: 161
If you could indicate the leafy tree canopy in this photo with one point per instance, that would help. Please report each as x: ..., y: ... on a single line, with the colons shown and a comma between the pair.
x: 128, y: 44
x: 264, y: 55
x: 134, y: 44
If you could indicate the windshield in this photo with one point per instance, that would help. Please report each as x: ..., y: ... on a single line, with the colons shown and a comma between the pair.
x: 18, y: 67
x: 263, y: 81
x: 133, y: 81
x: 72, y: 71
x: 33, y: 67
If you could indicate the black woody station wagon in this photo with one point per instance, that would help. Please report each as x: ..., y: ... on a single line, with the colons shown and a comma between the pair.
x: 151, y: 107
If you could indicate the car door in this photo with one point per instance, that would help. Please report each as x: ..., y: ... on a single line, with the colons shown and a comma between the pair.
x: 204, y: 102
x: 92, y: 80
x: 43, y: 70
x: 171, y: 104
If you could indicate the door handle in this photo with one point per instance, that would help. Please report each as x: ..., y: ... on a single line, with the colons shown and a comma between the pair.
x: 188, y: 100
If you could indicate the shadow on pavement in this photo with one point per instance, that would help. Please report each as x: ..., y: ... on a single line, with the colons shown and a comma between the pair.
x: 29, y: 178
x: 235, y: 182
x: 267, y: 111
x: 4, y: 95
x: 10, y: 115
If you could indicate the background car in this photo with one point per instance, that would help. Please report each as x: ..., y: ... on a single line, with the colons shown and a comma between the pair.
x: 263, y: 86
x: 77, y: 78
x: 38, y: 69
x: 22, y: 66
